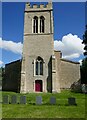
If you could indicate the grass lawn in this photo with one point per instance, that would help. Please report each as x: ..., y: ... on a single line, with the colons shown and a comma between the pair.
x: 31, y: 110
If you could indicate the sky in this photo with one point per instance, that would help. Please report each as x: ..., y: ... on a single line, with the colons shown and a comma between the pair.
x: 69, y: 27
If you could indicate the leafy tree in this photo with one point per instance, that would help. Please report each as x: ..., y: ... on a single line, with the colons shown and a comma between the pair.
x: 84, y: 71
x: 85, y: 41
x: 84, y: 62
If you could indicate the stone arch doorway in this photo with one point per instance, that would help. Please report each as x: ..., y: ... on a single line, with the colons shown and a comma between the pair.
x: 38, y: 86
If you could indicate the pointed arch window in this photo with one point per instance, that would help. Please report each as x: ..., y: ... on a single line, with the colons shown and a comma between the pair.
x: 35, y: 24
x: 42, y: 19
x: 39, y: 66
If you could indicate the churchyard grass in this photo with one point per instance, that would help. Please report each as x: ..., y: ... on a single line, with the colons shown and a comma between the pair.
x: 31, y: 110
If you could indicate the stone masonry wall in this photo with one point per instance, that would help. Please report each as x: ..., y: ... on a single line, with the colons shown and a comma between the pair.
x: 37, y: 44
x: 11, y: 81
x: 69, y: 73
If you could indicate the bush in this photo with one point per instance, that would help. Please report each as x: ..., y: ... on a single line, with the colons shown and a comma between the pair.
x: 76, y: 87
x: 84, y: 88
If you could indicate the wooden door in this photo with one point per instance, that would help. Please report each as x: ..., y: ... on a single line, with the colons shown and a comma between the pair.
x: 38, y: 85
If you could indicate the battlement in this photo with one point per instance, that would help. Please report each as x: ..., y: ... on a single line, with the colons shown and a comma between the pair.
x: 30, y: 7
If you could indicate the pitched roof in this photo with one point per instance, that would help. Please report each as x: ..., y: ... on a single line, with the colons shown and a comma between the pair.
x: 69, y: 61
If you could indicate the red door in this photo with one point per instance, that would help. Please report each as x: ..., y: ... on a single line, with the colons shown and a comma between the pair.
x: 38, y: 85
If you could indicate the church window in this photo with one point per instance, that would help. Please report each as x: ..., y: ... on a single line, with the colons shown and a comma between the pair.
x: 35, y: 24
x: 42, y: 24
x: 39, y: 66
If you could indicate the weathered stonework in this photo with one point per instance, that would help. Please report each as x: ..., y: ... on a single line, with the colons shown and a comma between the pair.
x: 69, y: 73
x: 11, y: 81
x: 57, y: 73
x: 37, y: 44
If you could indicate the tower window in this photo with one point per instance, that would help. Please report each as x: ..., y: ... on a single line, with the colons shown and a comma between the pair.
x: 39, y: 66
x: 35, y: 24
x: 42, y: 24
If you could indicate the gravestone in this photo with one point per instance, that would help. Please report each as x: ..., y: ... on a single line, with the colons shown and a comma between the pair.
x: 13, y: 99
x: 52, y: 100
x: 38, y: 100
x: 72, y: 101
x: 22, y: 99
x: 5, y: 99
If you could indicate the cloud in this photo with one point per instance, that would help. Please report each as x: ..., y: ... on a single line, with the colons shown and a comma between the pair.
x: 1, y: 63
x: 11, y: 46
x: 71, y: 46
x: 80, y: 61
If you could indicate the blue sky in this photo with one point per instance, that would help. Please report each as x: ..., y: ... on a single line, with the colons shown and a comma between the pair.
x: 69, y: 21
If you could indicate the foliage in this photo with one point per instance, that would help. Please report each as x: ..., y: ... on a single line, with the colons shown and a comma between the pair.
x: 84, y: 88
x: 84, y: 71
x: 2, y: 72
x: 76, y: 87
x: 60, y: 110
x: 85, y: 41
x: 84, y: 62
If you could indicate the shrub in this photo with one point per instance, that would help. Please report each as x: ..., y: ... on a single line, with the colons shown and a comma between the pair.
x: 84, y: 88
x: 76, y: 87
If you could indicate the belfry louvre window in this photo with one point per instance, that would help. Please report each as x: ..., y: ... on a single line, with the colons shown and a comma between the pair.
x: 39, y: 66
x: 42, y: 24
x: 35, y: 24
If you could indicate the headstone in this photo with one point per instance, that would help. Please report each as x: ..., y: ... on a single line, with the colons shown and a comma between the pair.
x: 5, y: 99
x: 52, y: 100
x: 38, y: 100
x: 22, y: 99
x: 13, y: 99
x: 72, y: 101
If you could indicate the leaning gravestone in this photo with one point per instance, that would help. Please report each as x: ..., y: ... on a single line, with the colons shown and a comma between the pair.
x: 72, y: 101
x: 13, y: 99
x: 52, y: 100
x: 5, y: 99
x: 38, y: 100
x: 22, y: 99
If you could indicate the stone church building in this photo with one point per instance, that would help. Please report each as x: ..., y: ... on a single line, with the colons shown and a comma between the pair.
x: 41, y: 69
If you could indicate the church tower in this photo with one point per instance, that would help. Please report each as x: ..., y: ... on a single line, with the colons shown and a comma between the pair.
x: 38, y: 49
x: 42, y: 68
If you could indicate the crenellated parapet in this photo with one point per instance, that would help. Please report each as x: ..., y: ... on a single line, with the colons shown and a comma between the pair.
x: 37, y: 7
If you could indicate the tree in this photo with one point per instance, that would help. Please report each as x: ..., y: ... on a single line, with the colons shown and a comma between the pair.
x: 84, y: 71
x: 84, y: 62
x: 85, y: 41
